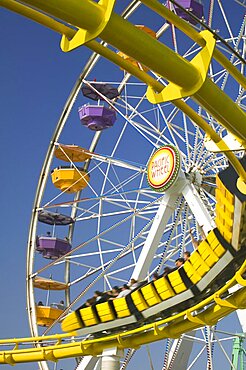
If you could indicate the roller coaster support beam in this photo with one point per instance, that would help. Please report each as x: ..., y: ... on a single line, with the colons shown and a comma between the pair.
x: 165, y: 210
x: 242, y: 319
x: 111, y: 358
x: 238, y: 354
x: 180, y: 351
x: 93, y: 18
x: 157, y: 229
x: 87, y: 363
x: 197, y: 207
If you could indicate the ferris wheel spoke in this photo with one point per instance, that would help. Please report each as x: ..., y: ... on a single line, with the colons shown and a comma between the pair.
x: 225, y: 20
x: 94, y: 238
x: 94, y: 270
x: 224, y: 351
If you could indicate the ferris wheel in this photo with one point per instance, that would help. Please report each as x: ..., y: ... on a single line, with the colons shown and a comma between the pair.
x: 100, y: 216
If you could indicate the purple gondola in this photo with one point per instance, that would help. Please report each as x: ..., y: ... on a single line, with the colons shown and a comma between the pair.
x: 94, y: 90
x: 195, y: 7
x: 52, y: 247
x: 97, y: 117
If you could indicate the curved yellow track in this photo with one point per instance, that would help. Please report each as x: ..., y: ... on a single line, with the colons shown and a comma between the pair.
x: 56, y: 347
x: 207, y: 312
x: 233, y: 118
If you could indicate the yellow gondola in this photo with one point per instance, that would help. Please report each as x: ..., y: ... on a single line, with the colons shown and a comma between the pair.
x: 46, y: 315
x: 73, y: 153
x: 48, y: 284
x: 70, y: 180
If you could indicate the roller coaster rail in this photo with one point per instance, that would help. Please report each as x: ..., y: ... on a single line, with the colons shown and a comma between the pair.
x: 56, y: 347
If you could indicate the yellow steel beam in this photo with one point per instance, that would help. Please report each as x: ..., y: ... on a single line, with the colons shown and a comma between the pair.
x: 133, y: 339
x: 187, y: 29
x: 217, y: 139
x: 126, y: 37
x: 171, y: 327
x: 156, y: 6
x: 129, y: 67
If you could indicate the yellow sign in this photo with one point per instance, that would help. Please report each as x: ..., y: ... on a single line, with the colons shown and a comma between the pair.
x: 163, y: 168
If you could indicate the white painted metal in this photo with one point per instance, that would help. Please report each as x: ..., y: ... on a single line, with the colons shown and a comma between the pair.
x: 98, y: 364
x: 241, y: 314
x: 180, y: 352
x: 146, y: 257
x: 242, y: 2
x: 111, y: 359
x: 238, y: 209
x: 229, y: 140
x: 162, y: 216
x: 242, y: 319
x: 87, y: 363
x: 198, y: 208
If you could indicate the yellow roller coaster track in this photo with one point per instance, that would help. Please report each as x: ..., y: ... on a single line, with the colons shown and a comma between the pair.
x: 56, y: 347
x: 60, y: 346
x: 99, y: 20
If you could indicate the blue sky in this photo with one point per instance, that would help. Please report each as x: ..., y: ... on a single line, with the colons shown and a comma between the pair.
x: 35, y: 80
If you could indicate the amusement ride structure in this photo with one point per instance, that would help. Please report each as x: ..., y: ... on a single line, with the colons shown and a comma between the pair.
x: 147, y: 162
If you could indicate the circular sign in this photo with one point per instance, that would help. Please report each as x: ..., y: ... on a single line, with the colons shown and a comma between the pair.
x: 163, y: 168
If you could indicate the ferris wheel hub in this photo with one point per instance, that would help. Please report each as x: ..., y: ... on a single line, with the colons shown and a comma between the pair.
x: 195, y: 177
